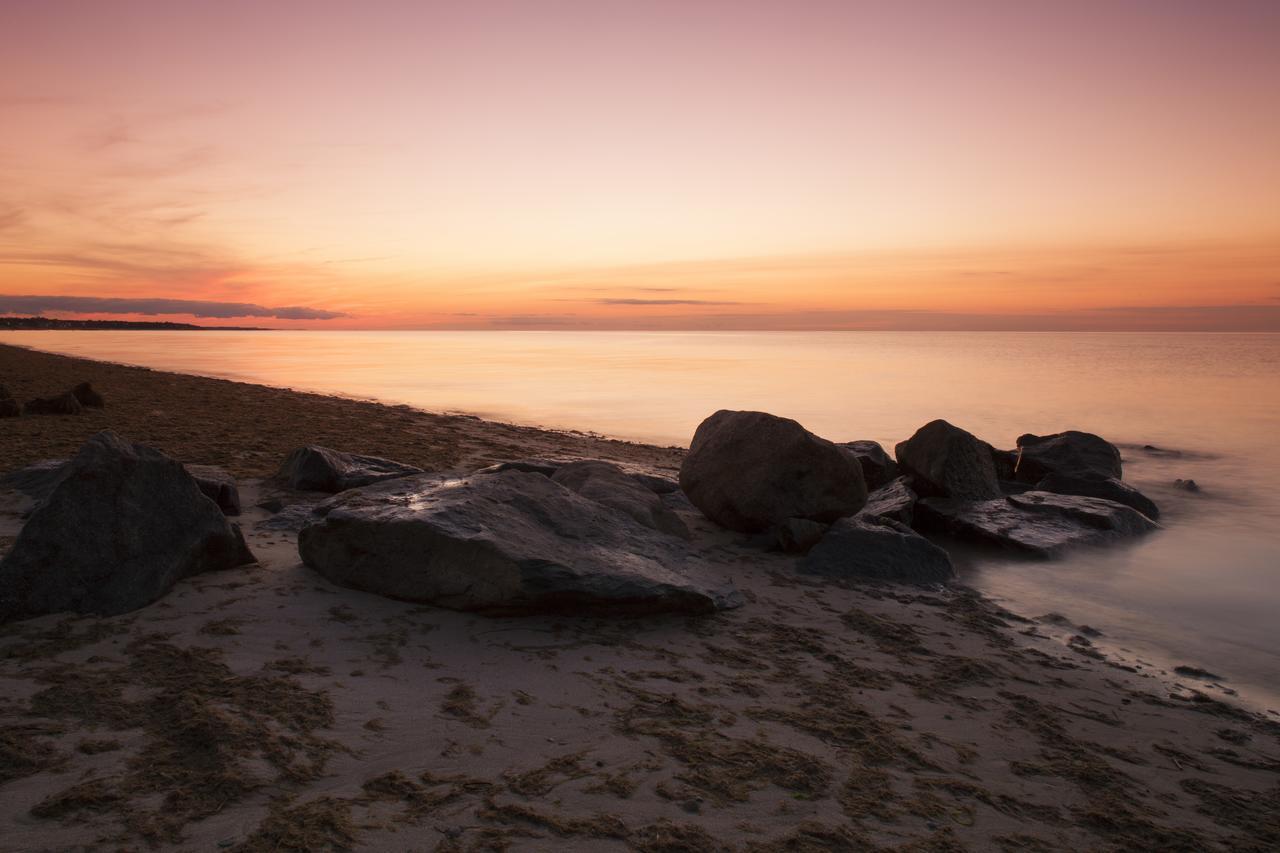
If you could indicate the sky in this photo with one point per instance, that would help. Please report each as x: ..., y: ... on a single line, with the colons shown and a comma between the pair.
x: 592, y: 164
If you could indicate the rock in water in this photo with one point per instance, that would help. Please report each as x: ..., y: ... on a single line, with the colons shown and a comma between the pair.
x: 319, y: 469
x: 64, y: 404
x: 609, y: 485
x: 88, y: 397
x: 944, y: 460
x: 1100, y: 487
x: 1078, y: 454
x: 894, y: 500
x: 119, y: 529
x: 878, y: 467
x: 218, y: 486
x: 750, y: 470
x: 507, y: 541
x: 878, y: 548
x: 1039, y: 524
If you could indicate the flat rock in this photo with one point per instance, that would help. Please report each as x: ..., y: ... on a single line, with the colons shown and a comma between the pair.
x: 878, y: 466
x: 749, y: 471
x: 1038, y: 524
x: 1100, y: 487
x: 63, y: 404
x: 218, y: 486
x: 946, y: 461
x: 878, y: 548
x: 119, y: 529
x: 319, y: 469
x: 607, y: 484
x: 1074, y: 453
x: 894, y: 500
x: 507, y: 541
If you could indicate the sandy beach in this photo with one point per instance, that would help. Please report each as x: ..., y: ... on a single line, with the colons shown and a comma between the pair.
x: 264, y: 708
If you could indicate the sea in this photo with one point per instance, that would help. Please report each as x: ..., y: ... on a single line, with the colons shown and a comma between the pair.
x: 1203, y: 592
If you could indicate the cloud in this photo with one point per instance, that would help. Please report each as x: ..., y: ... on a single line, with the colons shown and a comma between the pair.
x: 194, y: 307
x: 661, y: 302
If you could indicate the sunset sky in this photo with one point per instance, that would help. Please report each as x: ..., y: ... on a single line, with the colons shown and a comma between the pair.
x: 682, y: 165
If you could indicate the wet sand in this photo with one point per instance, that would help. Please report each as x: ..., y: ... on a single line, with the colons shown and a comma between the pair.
x: 264, y: 708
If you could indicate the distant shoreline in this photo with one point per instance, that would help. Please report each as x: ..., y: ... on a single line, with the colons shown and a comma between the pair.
x: 49, y: 324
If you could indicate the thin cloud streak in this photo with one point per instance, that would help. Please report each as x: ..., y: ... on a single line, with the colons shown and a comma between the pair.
x: 32, y: 304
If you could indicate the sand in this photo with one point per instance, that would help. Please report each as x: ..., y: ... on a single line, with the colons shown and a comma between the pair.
x: 266, y: 709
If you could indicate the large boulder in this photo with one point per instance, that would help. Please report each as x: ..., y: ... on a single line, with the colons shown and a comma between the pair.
x: 878, y: 548
x: 609, y: 485
x: 1079, y: 454
x: 1100, y: 487
x: 748, y: 471
x: 945, y: 461
x: 507, y: 541
x: 119, y: 529
x: 218, y: 486
x: 1036, y: 524
x: 877, y: 466
x: 63, y: 404
x: 88, y: 397
x: 319, y: 469
x: 894, y: 500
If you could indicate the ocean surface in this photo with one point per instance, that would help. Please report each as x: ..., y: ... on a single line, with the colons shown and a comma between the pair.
x: 1204, y: 591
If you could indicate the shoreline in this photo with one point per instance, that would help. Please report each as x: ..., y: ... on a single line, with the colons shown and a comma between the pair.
x: 833, y: 714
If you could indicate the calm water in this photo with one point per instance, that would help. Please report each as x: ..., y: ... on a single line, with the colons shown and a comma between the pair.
x: 1204, y: 591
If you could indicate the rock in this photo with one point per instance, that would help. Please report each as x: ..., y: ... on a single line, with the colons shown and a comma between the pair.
x: 37, y: 480
x: 218, y: 486
x: 878, y: 548
x: 545, y: 467
x: 292, y: 518
x: 895, y: 500
x: 944, y: 460
x: 122, y: 526
x: 609, y: 485
x: 64, y: 404
x: 9, y: 408
x: 748, y: 471
x: 798, y: 535
x: 508, y: 541
x: 319, y: 469
x: 1186, y: 485
x: 1004, y: 461
x: 88, y: 397
x: 878, y: 467
x: 1038, y: 524
x: 1100, y: 487
x: 1080, y: 454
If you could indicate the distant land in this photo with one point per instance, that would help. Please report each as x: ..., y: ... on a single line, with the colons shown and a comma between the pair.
x: 116, y: 325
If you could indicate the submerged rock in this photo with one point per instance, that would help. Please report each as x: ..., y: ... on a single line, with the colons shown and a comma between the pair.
x: 609, y: 485
x: 1186, y: 485
x: 63, y: 404
x: 507, y: 541
x: 1073, y: 453
x: 878, y: 466
x: 319, y: 469
x: 218, y: 486
x: 122, y: 525
x: 1100, y: 487
x: 895, y: 500
x: 946, y: 461
x: 1039, y: 524
x: 748, y: 471
x: 878, y: 548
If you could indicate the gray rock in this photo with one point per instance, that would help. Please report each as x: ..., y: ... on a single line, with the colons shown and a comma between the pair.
x: 1037, y: 524
x: 1004, y: 461
x: 9, y: 407
x: 895, y: 500
x: 88, y: 397
x: 218, y: 486
x: 1079, y: 454
x: 503, y: 542
x: 878, y: 467
x: 878, y: 548
x: 545, y: 467
x: 609, y: 485
x: 1100, y: 487
x: 798, y: 535
x: 292, y: 517
x: 37, y: 480
x: 63, y: 404
x: 319, y: 469
x: 122, y: 526
x: 944, y: 460
x: 748, y: 471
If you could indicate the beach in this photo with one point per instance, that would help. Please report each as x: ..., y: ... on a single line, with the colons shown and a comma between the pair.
x: 264, y: 708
